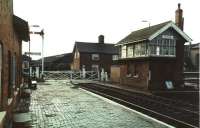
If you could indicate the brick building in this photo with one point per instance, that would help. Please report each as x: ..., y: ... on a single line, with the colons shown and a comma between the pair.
x: 152, y: 58
x: 55, y: 63
x: 94, y: 56
x: 192, y: 57
x: 12, y: 31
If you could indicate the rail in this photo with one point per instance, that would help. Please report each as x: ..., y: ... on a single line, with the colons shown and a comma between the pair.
x: 179, y: 115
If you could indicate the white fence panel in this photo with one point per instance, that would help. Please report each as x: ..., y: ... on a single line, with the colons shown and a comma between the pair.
x: 61, y: 75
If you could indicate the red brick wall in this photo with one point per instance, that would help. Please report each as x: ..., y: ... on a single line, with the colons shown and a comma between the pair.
x: 10, y: 42
x: 104, y: 62
x: 139, y: 75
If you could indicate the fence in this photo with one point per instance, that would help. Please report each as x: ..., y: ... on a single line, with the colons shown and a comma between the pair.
x: 60, y: 75
x: 191, y: 77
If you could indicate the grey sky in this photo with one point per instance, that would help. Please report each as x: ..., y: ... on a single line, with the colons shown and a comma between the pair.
x: 67, y: 21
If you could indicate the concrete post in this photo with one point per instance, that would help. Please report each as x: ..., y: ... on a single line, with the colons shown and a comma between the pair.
x: 30, y: 71
x: 37, y: 72
x: 106, y: 76
x: 102, y: 74
x: 83, y: 73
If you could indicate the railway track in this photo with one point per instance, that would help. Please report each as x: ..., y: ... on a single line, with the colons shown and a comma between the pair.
x: 178, y: 114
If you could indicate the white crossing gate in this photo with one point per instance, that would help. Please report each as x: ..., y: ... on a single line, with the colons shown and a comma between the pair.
x: 71, y: 75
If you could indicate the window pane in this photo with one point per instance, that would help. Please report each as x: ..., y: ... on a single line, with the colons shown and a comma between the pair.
x: 143, y: 49
x: 153, y: 49
x: 130, y: 51
x: 114, y: 57
x: 137, y: 49
x: 123, y: 52
x: 95, y: 57
x: 165, y: 47
x: 157, y: 50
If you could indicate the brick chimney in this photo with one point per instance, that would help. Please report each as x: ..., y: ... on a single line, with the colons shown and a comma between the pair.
x: 179, y: 20
x: 101, y: 39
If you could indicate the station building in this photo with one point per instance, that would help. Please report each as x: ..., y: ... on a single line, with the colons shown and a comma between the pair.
x: 13, y: 30
x: 94, y: 56
x: 152, y: 58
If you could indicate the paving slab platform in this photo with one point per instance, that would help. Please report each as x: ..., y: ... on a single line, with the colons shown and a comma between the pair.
x: 56, y: 105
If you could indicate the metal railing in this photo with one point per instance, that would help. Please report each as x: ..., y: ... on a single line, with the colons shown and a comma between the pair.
x: 191, y: 79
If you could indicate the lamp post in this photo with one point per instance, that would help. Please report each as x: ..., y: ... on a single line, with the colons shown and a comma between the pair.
x: 42, y: 35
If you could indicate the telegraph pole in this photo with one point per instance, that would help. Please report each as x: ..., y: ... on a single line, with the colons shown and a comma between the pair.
x: 42, y: 35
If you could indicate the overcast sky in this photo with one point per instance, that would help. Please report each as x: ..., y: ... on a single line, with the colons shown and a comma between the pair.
x: 67, y: 21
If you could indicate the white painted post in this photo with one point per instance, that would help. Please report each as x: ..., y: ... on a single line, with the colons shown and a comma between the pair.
x: 71, y: 75
x: 98, y: 75
x: 38, y: 72
x: 83, y: 73
x: 102, y: 74
x: 30, y: 71
x: 106, y: 76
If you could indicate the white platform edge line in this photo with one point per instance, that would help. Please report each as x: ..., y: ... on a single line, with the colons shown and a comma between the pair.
x: 117, y: 104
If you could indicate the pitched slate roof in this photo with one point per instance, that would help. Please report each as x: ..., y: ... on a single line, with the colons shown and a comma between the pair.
x: 105, y: 48
x: 142, y: 34
x: 64, y: 58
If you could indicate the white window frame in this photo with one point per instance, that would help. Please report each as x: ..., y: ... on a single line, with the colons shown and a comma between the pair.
x: 130, y: 51
x: 159, y: 48
x: 115, y: 57
x: 123, y: 51
x: 95, y: 57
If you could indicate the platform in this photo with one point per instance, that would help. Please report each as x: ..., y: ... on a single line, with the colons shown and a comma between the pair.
x: 55, y: 105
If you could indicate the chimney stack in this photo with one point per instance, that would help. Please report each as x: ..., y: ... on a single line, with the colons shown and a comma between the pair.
x: 101, y: 39
x: 179, y: 20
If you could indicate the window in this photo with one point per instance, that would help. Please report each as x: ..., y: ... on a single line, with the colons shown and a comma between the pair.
x: 114, y: 57
x: 164, y: 47
x: 143, y: 49
x: 157, y: 50
x: 130, y: 51
x: 134, y: 50
x: 137, y: 50
x: 123, y: 52
x: 172, y: 47
x: 25, y: 65
x: 95, y: 57
x: 95, y: 67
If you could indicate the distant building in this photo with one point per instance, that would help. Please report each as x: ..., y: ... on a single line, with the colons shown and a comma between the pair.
x: 192, y: 57
x: 55, y: 63
x: 94, y: 56
x: 13, y: 30
x: 25, y: 65
x: 152, y: 57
